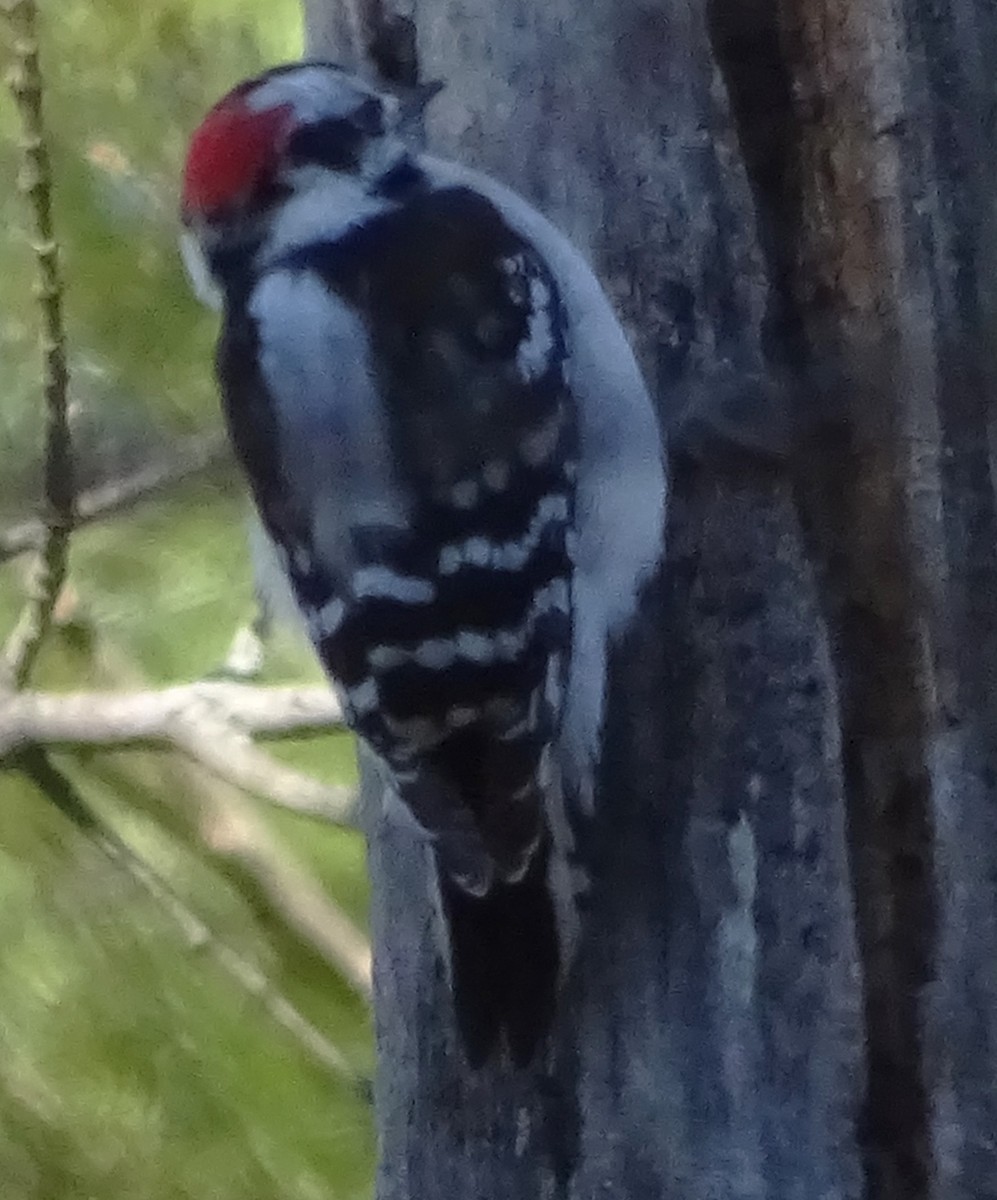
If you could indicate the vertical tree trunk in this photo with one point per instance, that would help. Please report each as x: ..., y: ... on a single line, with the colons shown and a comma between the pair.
x: 787, y: 986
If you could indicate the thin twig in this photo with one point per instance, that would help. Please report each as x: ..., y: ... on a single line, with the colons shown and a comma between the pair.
x: 118, y: 495
x: 35, y: 182
x: 61, y: 791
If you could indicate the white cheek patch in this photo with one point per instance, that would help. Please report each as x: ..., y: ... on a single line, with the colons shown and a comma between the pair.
x: 324, y: 205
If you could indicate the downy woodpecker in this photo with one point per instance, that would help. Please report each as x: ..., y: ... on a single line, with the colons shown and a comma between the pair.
x: 449, y: 442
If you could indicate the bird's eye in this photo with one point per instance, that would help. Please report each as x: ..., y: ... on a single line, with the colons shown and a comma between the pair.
x: 335, y: 142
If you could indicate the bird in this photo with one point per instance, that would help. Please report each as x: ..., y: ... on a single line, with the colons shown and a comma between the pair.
x: 450, y: 444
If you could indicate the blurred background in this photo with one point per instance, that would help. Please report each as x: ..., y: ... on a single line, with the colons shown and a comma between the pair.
x: 132, y: 1062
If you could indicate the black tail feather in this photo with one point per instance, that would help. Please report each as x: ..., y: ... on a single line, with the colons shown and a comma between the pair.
x: 504, y: 963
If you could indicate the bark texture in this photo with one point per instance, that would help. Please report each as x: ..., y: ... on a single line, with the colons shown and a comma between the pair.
x: 788, y: 983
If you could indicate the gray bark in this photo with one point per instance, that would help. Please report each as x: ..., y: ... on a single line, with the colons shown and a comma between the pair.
x: 786, y: 987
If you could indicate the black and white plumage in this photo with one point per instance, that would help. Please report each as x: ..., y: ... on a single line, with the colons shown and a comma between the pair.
x: 449, y: 442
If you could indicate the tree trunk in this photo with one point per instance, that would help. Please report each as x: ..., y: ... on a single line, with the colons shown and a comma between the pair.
x: 787, y: 984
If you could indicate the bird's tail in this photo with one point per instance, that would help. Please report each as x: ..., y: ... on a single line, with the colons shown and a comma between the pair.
x: 504, y: 962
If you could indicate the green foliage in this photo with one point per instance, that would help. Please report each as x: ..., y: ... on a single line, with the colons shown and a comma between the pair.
x: 125, y: 84
x: 130, y: 1064
x: 130, y: 1067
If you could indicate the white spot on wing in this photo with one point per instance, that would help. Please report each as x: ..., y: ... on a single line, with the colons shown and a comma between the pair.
x: 464, y: 494
x: 478, y: 551
x: 538, y: 446
x: 496, y: 475
x: 381, y: 582
x: 510, y: 643
x: 300, y: 559
x: 436, y: 654
x: 534, y: 353
x: 553, y: 507
x: 505, y: 556
x: 554, y: 597
x: 461, y: 716
x: 477, y: 647
x: 326, y: 620
x: 386, y: 658
x: 421, y: 731
x: 364, y: 698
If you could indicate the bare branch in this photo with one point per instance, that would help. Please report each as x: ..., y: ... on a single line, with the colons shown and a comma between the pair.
x: 76, y: 719
x: 35, y: 182
x: 210, y: 722
x: 233, y: 831
x: 230, y: 755
x: 59, y: 788
x: 117, y: 495
x: 222, y: 820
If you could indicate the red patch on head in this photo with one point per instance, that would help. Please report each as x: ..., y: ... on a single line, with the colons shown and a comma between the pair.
x: 231, y: 153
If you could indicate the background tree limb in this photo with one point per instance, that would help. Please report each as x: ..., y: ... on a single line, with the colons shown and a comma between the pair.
x: 116, y: 496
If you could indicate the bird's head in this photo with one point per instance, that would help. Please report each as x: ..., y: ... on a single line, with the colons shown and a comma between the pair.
x: 266, y: 137
x: 280, y: 136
